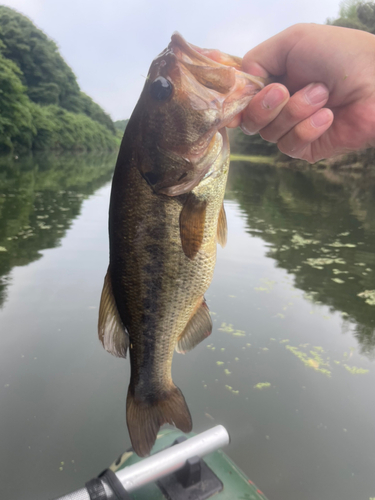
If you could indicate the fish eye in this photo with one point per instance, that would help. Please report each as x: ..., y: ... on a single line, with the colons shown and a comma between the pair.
x: 161, y: 89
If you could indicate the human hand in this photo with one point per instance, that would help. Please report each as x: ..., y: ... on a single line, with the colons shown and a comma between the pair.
x: 330, y: 74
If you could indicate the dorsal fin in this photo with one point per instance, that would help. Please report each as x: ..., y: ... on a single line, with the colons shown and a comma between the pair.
x: 198, y: 328
x: 222, y: 228
x: 112, y: 332
x: 192, y: 220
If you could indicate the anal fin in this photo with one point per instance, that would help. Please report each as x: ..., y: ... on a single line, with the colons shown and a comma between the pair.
x: 112, y: 332
x: 198, y: 328
x: 222, y: 228
x: 192, y: 221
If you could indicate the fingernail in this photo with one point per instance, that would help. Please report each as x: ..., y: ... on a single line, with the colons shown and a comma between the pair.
x: 248, y: 129
x: 316, y: 93
x: 273, y: 98
x: 322, y: 117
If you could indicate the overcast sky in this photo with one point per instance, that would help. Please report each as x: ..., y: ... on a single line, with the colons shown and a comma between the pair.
x: 110, y: 44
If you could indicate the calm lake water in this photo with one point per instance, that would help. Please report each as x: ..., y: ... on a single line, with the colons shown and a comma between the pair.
x: 289, y: 368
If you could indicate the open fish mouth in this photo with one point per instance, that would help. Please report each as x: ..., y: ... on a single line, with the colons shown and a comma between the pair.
x: 216, y: 70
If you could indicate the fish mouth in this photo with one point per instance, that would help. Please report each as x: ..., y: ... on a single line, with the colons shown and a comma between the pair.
x: 211, y: 58
x: 220, y: 72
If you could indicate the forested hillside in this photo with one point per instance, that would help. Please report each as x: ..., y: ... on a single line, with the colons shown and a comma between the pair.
x: 41, y: 104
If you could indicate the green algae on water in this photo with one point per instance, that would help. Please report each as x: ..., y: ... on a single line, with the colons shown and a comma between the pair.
x: 337, y: 271
x: 356, y: 371
x: 262, y: 385
x: 299, y: 241
x: 229, y: 329
x: 338, y: 244
x: 369, y: 296
x: 267, y: 285
x: 319, y: 262
x: 314, y: 361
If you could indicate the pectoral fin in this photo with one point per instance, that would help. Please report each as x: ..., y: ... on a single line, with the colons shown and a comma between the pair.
x: 198, y: 328
x: 192, y: 220
x: 222, y: 228
x: 112, y: 332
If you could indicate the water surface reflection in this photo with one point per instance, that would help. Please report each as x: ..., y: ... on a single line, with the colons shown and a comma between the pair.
x: 40, y: 195
x: 320, y: 227
x: 288, y: 368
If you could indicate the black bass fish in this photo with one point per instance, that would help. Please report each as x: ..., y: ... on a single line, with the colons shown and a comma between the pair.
x: 166, y: 216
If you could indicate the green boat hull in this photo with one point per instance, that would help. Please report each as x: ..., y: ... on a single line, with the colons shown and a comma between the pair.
x: 236, y: 486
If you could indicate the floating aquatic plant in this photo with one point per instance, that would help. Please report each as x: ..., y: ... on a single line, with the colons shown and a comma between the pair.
x: 262, y: 385
x: 299, y: 241
x: 369, y: 295
x: 314, y: 361
x: 229, y: 329
x: 356, y: 371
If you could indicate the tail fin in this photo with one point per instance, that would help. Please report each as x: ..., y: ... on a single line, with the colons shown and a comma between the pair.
x: 145, y: 419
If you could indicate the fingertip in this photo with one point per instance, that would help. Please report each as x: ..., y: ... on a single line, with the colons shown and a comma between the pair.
x: 298, y: 142
x: 275, y: 94
x: 322, y: 118
x: 264, y: 108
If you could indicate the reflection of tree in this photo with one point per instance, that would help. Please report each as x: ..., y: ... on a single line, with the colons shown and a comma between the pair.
x: 39, y: 198
x: 321, y: 228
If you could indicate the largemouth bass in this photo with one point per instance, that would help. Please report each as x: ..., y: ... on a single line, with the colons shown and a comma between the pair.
x: 166, y: 216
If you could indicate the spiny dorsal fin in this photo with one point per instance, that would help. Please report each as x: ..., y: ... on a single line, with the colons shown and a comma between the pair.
x: 198, y: 328
x: 192, y: 220
x: 222, y: 228
x: 112, y: 332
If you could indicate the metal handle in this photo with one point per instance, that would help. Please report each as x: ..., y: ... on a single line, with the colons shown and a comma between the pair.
x: 165, y: 462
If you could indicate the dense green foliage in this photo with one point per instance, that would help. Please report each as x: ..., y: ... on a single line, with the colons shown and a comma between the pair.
x: 41, y: 105
x: 121, y: 125
x: 357, y: 15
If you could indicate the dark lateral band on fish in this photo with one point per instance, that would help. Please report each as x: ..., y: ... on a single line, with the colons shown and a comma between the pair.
x: 166, y: 217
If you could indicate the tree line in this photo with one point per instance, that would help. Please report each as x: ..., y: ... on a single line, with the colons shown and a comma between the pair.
x: 41, y: 104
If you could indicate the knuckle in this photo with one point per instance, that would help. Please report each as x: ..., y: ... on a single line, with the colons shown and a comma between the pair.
x: 301, y: 134
x: 293, y: 110
x: 299, y: 30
